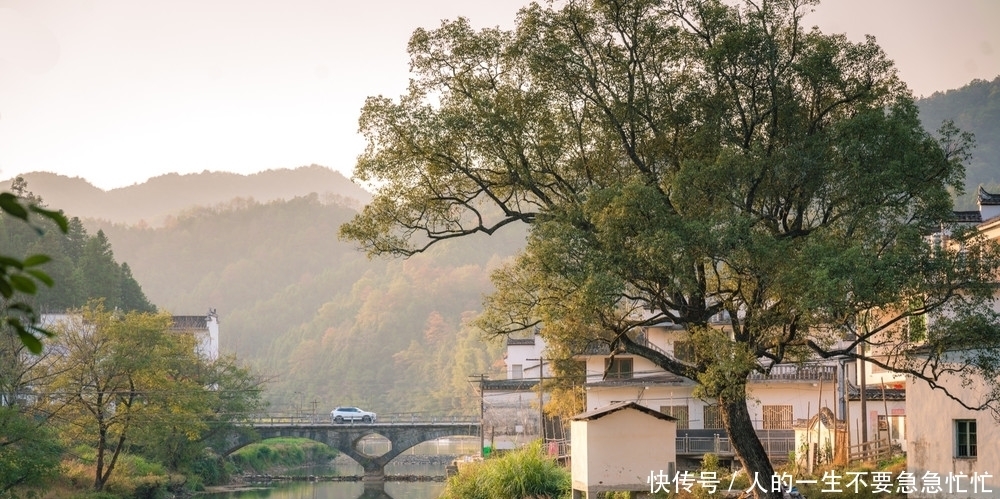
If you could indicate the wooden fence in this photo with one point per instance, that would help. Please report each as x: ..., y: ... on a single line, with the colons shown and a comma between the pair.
x: 871, y: 451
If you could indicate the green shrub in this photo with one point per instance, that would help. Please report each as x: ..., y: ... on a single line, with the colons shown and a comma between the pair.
x: 521, y: 474
x: 710, y: 462
x: 261, y: 456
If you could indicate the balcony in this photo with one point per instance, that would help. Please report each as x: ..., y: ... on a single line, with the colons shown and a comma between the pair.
x: 795, y: 372
x: 602, y: 348
x: 696, y: 443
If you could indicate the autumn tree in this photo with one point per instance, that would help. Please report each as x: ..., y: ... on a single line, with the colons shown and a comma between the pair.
x: 674, y: 160
x: 125, y: 380
x: 202, y: 404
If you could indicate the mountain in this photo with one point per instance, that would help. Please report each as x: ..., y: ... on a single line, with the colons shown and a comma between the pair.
x: 154, y: 201
x: 311, y: 311
x: 328, y: 326
x: 973, y: 108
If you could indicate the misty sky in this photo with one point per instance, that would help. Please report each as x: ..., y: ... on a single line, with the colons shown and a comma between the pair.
x: 118, y: 91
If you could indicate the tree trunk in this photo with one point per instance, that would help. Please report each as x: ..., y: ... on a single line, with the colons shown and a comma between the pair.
x: 99, y: 468
x: 746, y: 444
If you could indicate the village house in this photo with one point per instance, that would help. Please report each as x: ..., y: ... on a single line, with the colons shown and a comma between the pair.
x: 947, y: 443
x: 511, y: 415
x: 205, y: 328
x: 790, y: 394
x: 619, y: 447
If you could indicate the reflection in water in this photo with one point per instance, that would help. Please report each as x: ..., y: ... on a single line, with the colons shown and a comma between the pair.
x: 429, y: 460
x: 339, y: 490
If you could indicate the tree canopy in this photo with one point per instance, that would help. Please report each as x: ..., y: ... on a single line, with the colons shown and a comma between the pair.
x: 20, y: 275
x: 83, y: 265
x: 127, y: 381
x: 676, y: 160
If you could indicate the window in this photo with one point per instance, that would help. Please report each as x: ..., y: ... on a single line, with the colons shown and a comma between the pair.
x: 680, y: 412
x: 777, y: 417
x: 684, y: 351
x: 965, y: 438
x: 516, y: 371
x: 713, y: 417
x: 618, y: 368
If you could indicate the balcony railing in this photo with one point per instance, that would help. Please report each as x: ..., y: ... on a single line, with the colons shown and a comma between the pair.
x: 602, y: 348
x: 778, y: 448
x: 795, y: 372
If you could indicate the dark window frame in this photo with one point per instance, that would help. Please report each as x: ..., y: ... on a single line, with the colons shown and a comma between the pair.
x: 966, y: 445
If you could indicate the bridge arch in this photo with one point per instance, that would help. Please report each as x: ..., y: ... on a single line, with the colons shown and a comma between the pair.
x: 344, y: 438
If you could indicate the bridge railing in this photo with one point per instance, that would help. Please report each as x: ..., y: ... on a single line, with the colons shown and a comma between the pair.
x: 298, y: 419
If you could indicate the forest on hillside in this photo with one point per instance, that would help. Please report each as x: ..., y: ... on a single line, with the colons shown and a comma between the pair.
x: 330, y: 326
x: 974, y: 108
x: 83, y: 264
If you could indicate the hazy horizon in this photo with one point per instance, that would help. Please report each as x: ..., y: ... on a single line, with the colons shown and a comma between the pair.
x: 117, y: 92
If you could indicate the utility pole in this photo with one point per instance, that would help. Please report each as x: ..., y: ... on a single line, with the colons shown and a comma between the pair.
x: 296, y: 406
x: 862, y: 375
x: 541, y: 402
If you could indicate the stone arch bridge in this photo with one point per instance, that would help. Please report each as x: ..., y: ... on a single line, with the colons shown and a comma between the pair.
x: 345, y: 438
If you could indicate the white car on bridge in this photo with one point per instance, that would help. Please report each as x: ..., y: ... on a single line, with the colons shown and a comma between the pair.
x: 345, y: 414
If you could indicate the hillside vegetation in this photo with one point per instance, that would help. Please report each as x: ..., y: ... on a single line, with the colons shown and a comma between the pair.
x: 332, y: 327
x: 974, y: 108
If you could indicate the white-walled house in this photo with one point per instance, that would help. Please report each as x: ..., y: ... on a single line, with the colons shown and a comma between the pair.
x: 946, y: 442
x: 957, y: 446
x: 205, y: 328
x: 619, y: 447
x: 789, y: 393
x: 525, y: 356
x: 511, y: 411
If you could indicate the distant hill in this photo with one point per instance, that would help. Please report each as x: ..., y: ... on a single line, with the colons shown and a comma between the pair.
x: 326, y: 324
x: 153, y: 201
x: 974, y: 108
x: 311, y: 311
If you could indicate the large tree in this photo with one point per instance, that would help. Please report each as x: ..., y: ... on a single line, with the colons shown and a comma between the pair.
x: 674, y: 160
x: 126, y: 380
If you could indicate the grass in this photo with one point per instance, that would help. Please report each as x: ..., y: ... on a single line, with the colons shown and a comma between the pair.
x: 520, y: 474
x: 281, y: 452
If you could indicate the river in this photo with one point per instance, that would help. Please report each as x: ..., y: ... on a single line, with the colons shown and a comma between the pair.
x: 338, y: 490
x: 426, y: 459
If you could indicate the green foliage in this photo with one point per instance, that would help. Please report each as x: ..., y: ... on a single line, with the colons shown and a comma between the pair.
x: 710, y: 462
x: 83, y: 266
x: 526, y: 473
x: 29, y: 451
x: 262, y: 456
x: 675, y: 161
x: 125, y: 381
x: 21, y: 275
